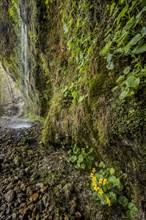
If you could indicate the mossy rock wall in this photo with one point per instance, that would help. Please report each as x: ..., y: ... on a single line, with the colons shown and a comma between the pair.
x: 83, y: 109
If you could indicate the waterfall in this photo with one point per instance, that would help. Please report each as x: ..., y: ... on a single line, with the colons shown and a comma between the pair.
x: 24, y: 55
x: 25, y: 61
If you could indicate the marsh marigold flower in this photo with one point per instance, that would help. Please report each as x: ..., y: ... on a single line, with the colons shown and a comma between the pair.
x: 105, y: 181
x: 100, y: 191
x: 93, y: 170
x: 91, y: 175
x: 100, y: 180
x: 96, y: 188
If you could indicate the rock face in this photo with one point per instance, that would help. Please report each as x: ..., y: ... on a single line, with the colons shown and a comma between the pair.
x: 18, y: 51
x: 11, y: 99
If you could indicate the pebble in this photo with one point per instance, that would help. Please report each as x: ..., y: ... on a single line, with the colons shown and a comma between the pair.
x: 9, y: 196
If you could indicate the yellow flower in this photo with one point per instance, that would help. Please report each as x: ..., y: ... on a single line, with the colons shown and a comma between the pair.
x: 105, y: 181
x: 93, y: 178
x: 96, y: 188
x: 91, y: 175
x: 93, y: 170
x: 100, y: 191
x: 100, y: 180
x: 108, y: 201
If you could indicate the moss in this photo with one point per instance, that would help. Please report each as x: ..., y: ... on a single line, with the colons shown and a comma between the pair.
x: 50, y: 132
x: 14, y: 11
x: 127, y: 118
x: 97, y: 86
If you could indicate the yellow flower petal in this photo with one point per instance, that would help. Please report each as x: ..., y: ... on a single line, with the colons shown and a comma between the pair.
x: 100, y: 191
x: 93, y: 170
x: 100, y: 180
x: 105, y: 181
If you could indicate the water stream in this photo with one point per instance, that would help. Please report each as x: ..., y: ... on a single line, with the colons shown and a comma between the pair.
x: 15, y: 123
x: 24, y: 55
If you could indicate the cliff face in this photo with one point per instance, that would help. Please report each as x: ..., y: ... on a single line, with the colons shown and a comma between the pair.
x: 11, y: 99
x: 86, y: 61
x: 18, y: 42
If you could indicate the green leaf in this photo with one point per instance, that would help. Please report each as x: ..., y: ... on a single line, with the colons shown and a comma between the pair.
x: 102, y: 165
x: 104, y: 51
x: 124, y: 94
x: 90, y: 49
x: 135, y: 39
x: 122, y: 1
x: 115, y: 88
x: 132, y: 82
x: 131, y: 205
x: 113, y: 196
x: 140, y: 13
x: 119, y: 50
x: 122, y: 13
x: 109, y: 57
x: 122, y: 38
x: 112, y: 179
x: 73, y: 158
x: 134, y: 212
x: 102, y: 200
x: 83, y: 166
x: 81, y: 98
x: 110, y: 66
x: 74, y: 94
x: 132, y: 42
x: 117, y: 182
x: 126, y: 70
x: 112, y: 171
x: 129, y: 23
x: 120, y: 79
x: 140, y: 49
x: 112, y: 7
x: 143, y: 31
x: 78, y: 165
x: 80, y: 158
x: 123, y: 201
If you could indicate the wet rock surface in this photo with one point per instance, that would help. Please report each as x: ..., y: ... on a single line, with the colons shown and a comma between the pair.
x: 38, y: 182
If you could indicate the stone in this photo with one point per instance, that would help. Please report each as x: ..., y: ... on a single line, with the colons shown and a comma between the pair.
x: 14, y: 216
x: 23, y: 187
x: 68, y: 189
x: 17, y: 160
x: 78, y: 215
x: 34, y: 197
x: 9, y: 196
